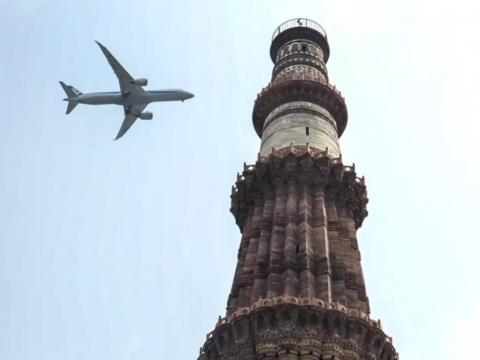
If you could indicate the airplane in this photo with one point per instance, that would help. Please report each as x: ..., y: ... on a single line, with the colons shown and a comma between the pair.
x: 132, y: 96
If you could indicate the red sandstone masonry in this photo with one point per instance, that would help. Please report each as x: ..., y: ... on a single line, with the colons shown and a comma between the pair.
x: 311, y: 253
x: 298, y: 291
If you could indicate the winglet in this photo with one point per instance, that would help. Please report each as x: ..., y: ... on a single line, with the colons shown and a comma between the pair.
x: 101, y: 46
x: 105, y: 51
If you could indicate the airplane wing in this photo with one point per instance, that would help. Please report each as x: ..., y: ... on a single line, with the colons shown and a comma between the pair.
x: 131, y: 114
x: 123, y: 76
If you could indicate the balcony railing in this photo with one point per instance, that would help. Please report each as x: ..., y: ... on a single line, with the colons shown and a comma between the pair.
x: 298, y: 23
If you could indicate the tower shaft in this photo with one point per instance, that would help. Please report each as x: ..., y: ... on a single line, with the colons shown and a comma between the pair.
x: 298, y: 289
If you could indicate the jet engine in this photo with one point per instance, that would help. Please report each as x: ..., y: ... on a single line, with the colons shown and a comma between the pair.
x: 139, y: 82
x: 147, y: 115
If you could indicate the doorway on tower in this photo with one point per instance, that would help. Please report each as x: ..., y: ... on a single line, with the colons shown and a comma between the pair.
x: 307, y: 131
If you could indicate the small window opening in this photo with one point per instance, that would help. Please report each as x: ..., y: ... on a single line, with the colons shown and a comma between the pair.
x: 307, y: 131
x: 304, y: 48
x: 298, y: 249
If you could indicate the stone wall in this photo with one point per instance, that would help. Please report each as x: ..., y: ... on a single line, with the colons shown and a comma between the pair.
x: 298, y: 210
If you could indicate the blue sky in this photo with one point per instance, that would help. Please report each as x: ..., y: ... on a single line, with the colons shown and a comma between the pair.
x: 126, y: 250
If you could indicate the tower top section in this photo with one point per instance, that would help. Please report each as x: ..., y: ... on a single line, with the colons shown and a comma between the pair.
x: 299, y: 28
x: 299, y: 105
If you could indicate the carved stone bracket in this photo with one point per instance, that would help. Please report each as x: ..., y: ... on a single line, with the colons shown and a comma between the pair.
x: 291, y: 328
x: 299, y: 33
x: 289, y: 88
x: 306, y: 166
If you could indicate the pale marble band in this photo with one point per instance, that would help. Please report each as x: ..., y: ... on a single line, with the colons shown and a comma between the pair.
x: 298, y: 105
x: 292, y: 128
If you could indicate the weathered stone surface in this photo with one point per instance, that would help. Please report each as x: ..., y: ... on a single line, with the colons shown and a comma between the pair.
x: 296, y: 328
x: 298, y: 291
x: 300, y: 86
x: 300, y: 241
x: 302, y: 168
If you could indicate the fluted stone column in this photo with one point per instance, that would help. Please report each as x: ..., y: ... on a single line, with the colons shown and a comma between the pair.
x: 298, y: 291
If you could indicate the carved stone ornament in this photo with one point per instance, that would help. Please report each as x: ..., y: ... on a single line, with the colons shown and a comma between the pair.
x: 298, y: 291
x: 301, y: 164
x: 291, y: 328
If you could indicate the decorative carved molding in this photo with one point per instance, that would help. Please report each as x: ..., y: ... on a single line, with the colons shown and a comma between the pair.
x: 296, y: 61
x: 298, y: 209
x: 300, y: 87
x: 338, y: 273
x: 300, y: 47
x: 322, y: 267
x: 305, y: 69
x: 290, y: 328
x: 304, y: 165
x: 299, y: 33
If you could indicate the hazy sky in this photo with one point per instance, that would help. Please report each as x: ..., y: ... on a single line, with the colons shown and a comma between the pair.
x: 126, y: 250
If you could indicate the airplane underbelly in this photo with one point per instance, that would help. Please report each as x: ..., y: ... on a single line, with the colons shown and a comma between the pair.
x: 107, y: 100
x: 100, y: 100
x: 136, y: 100
x: 168, y: 97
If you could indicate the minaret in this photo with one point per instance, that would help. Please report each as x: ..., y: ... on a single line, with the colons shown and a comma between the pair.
x: 298, y: 292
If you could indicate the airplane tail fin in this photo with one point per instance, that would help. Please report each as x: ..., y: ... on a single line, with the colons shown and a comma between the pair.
x: 70, y: 90
x: 71, y: 93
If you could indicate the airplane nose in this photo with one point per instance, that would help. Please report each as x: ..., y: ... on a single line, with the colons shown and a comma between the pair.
x: 191, y: 95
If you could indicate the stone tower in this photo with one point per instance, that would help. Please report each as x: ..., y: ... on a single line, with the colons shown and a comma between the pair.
x: 298, y: 292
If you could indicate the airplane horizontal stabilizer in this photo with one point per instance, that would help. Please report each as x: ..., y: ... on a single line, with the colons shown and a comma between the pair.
x: 72, y: 93
x: 71, y: 106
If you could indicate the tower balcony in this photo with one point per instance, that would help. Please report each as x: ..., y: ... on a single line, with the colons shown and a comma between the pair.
x: 300, y: 22
x: 299, y: 28
x: 300, y: 86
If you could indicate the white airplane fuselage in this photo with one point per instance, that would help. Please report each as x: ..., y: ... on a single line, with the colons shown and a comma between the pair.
x: 132, y: 96
x: 117, y: 98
